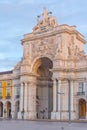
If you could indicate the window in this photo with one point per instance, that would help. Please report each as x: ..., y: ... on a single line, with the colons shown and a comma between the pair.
x: 81, y: 87
x: 8, y: 83
x: 8, y: 91
x: 18, y: 90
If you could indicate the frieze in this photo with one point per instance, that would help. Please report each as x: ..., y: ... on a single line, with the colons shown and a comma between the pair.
x: 43, y: 47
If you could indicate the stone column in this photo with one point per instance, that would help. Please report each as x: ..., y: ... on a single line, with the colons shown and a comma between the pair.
x: 58, y: 110
x: 21, y: 100
x: 54, y: 96
x: 22, y: 97
x: 13, y: 109
x: 71, y: 82
x: 32, y: 100
x: 72, y: 114
x: 59, y: 94
x: 53, y: 114
x: 26, y: 100
x: 13, y: 101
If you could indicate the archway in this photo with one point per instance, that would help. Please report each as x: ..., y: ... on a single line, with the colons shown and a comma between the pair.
x: 1, y: 109
x: 17, y: 104
x: 44, y: 98
x: 82, y: 108
x: 8, y: 109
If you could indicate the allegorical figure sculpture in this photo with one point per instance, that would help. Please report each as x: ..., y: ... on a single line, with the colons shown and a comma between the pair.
x: 45, y: 20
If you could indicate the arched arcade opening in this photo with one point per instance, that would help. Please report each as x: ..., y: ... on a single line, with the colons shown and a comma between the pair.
x: 82, y: 109
x: 44, y: 91
x: 8, y: 109
x: 1, y: 109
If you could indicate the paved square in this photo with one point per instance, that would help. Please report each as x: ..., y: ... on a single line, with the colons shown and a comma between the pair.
x: 39, y: 125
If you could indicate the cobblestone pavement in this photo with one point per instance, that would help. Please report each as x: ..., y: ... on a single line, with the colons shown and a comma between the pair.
x: 40, y: 125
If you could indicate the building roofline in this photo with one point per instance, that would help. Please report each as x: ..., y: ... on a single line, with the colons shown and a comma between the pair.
x: 6, y: 72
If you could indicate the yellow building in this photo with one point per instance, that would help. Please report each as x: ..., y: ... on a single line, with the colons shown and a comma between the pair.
x: 6, y: 88
x: 5, y: 93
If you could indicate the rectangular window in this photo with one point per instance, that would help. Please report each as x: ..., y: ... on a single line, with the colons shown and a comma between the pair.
x: 8, y: 83
x: 8, y: 91
x: 18, y: 91
x: 81, y: 87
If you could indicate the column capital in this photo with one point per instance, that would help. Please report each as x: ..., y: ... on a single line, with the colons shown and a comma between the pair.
x: 22, y: 83
x: 54, y: 79
x: 26, y: 83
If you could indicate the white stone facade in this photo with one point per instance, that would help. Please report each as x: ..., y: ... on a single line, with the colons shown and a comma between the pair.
x: 53, y: 56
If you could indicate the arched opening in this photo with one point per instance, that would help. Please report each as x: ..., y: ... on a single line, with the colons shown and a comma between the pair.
x: 1, y: 109
x: 44, y: 90
x: 8, y: 109
x: 82, y: 108
x: 17, y: 104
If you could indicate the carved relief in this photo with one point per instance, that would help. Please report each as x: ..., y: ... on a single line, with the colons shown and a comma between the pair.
x: 43, y: 47
x: 58, y: 46
x: 73, y: 49
x: 26, y: 50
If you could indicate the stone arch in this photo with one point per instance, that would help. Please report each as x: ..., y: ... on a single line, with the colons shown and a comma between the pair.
x: 37, y: 62
x: 39, y: 59
x: 41, y: 68
x: 82, y: 108
x: 1, y: 109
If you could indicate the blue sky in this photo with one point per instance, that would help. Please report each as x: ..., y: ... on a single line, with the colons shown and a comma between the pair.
x: 18, y: 17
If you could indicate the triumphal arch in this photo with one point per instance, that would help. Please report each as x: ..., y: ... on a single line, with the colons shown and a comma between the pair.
x: 51, y: 57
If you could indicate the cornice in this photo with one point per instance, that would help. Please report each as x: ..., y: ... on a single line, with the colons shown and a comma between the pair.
x: 28, y: 74
x: 60, y: 29
x: 69, y: 70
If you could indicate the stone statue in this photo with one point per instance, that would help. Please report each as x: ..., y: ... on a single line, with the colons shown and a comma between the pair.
x: 45, y: 16
x: 45, y: 21
x: 53, y: 21
x: 76, y: 50
x: 38, y: 20
x: 69, y: 51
